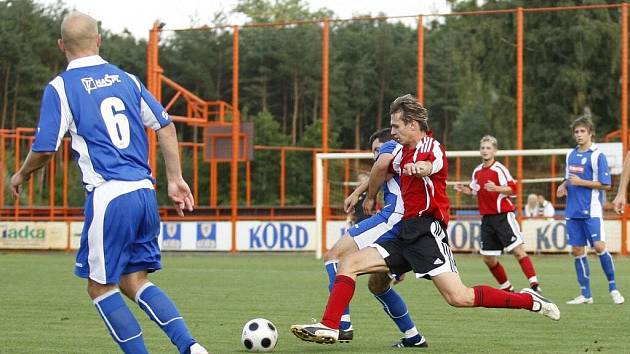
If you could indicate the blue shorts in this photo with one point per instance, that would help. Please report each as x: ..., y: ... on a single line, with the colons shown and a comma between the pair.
x: 378, y: 227
x: 584, y: 232
x: 120, y: 233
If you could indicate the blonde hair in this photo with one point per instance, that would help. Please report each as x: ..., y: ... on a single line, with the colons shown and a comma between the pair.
x: 489, y: 139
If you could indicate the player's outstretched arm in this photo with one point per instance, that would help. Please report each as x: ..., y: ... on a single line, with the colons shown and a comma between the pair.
x: 620, y: 199
x: 178, y: 189
x: 34, y: 161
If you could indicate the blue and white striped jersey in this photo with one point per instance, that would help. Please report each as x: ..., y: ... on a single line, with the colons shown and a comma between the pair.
x: 106, y: 110
x: 590, y: 165
x: 392, y: 195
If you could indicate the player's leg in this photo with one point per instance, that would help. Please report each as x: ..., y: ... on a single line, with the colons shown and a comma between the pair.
x: 598, y: 240
x: 395, y: 307
x: 344, y: 246
x: 512, y: 238
x: 491, y: 247
x: 578, y: 240
x: 144, y: 257
x: 367, y: 260
x: 102, y: 247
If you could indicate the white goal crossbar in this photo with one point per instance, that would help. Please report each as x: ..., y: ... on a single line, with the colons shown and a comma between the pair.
x: 319, y: 176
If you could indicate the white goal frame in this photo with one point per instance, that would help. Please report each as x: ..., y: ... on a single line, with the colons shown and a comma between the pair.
x: 319, y: 177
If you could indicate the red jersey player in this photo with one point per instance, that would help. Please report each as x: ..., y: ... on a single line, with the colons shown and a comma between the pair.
x: 422, y: 246
x: 492, y: 184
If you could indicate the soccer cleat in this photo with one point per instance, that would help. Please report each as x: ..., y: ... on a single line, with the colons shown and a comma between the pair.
x: 617, y: 297
x: 403, y: 343
x: 197, y: 349
x: 580, y: 300
x: 545, y: 306
x: 316, y: 332
x: 537, y: 288
x: 346, y: 336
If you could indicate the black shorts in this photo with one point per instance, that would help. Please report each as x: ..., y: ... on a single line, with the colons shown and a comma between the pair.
x: 422, y: 246
x: 499, y: 231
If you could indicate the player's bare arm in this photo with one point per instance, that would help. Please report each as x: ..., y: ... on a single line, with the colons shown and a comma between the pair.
x: 491, y: 187
x: 619, y: 202
x: 34, y: 161
x: 462, y: 188
x: 561, y: 191
x: 378, y: 174
x: 178, y: 189
x: 353, y: 198
x: 419, y: 169
x: 577, y: 181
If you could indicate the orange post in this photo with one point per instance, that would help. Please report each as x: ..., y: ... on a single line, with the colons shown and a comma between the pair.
x: 314, y: 190
x: 624, y: 111
x: 248, y: 183
x: 66, y: 158
x: 282, y: 175
x: 51, y: 181
x: 420, y: 73
x: 519, y: 109
x: 153, y: 87
x: 235, y: 135
x: 325, y: 67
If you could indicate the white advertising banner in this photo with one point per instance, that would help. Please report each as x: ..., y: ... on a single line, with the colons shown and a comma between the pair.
x: 275, y: 236
x: 33, y: 235
x: 75, y: 234
x: 195, y: 236
x: 541, y: 235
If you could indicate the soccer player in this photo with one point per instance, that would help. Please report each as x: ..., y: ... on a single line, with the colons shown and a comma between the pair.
x: 586, y: 178
x: 422, y: 245
x: 384, y: 225
x: 493, y: 185
x: 106, y: 111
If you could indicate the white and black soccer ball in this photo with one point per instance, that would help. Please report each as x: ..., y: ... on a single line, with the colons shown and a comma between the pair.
x: 259, y: 335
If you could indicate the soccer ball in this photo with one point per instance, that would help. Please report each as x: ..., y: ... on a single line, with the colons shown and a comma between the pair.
x: 259, y: 335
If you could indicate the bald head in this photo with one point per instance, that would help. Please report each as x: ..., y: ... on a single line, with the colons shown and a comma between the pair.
x: 79, y: 35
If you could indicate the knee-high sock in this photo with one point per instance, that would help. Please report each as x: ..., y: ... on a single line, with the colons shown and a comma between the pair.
x: 487, y: 296
x: 123, y: 327
x: 339, y: 298
x: 528, y: 269
x: 396, y: 309
x: 583, y: 275
x: 331, y: 270
x: 605, y: 258
x: 499, y: 274
x: 159, y: 307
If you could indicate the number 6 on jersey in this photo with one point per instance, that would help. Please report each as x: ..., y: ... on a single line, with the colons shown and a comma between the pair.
x: 116, y: 122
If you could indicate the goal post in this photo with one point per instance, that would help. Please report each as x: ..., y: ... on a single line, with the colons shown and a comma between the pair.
x: 550, y: 174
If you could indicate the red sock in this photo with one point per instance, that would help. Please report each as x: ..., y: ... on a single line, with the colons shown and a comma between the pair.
x: 487, y: 296
x: 338, y: 300
x: 499, y: 273
x: 528, y: 270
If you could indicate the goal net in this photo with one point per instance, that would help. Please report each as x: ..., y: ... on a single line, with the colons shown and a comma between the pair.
x: 338, y: 174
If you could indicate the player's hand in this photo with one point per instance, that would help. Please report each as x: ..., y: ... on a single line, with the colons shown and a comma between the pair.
x: 399, y: 278
x: 418, y: 169
x: 561, y: 191
x: 575, y: 180
x: 180, y: 195
x: 350, y: 202
x: 16, y: 183
x: 619, y: 203
x: 368, y: 206
x: 490, y: 186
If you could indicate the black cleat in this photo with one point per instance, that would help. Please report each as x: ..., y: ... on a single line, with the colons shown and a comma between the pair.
x: 405, y: 344
x: 537, y: 288
x: 346, y: 336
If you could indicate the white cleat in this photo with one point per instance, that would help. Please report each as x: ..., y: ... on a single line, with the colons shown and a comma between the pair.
x: 197, y: 349
x: 617, y: 297
x: 543, y: 305
x: 316, y: 332
x: 581, y: 300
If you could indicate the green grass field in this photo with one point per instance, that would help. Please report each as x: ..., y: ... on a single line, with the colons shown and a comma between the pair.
x: 44, y: 307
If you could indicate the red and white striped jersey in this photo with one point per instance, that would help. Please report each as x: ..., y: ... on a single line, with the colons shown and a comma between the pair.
x: 492, y: 202
x: 426, y: 195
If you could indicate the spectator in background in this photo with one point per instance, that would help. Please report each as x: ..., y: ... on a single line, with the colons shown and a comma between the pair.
x: 538, y: 206
x: 531, y: 208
